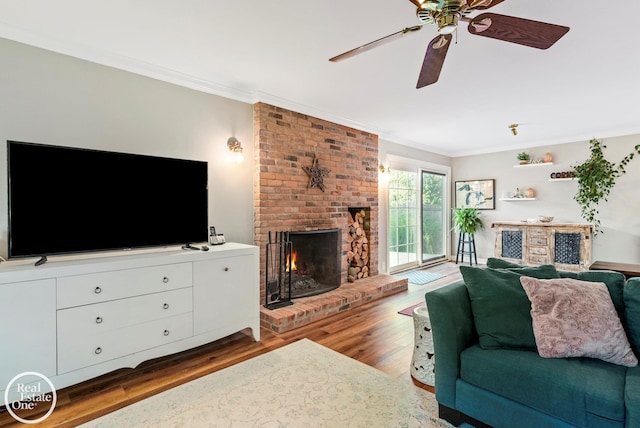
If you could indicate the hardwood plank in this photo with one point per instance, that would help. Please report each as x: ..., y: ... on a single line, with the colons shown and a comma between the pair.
x: 373, y: 333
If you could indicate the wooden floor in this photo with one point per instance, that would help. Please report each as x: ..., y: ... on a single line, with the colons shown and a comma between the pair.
x: 374, y: 334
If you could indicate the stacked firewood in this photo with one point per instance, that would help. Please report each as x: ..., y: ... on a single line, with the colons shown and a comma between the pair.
x: 358, y: 251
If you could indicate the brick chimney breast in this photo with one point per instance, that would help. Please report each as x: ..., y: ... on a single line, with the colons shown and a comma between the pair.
x: 285, y: 142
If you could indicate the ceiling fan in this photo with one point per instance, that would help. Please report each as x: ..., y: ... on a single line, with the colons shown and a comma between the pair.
x: 446, y: 14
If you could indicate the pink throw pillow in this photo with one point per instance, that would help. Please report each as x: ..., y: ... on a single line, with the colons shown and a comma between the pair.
x: 573, y: 318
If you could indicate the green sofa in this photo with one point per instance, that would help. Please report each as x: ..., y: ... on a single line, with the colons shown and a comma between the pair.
x: 513, y: 386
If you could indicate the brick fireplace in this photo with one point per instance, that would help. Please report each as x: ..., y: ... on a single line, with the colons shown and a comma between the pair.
x: 285, y: 143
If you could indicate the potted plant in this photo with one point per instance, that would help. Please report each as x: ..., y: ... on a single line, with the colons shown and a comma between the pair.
x: 467, y: 220
x: 596, y: 177
x: 524, y: 158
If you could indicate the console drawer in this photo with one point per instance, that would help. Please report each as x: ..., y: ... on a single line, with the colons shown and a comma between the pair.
x: 538, y: 260
x: 104, y: 286
x: 101, y: 317
x: 538, y: 240
x: 538, y: 251
x: 82, y: 351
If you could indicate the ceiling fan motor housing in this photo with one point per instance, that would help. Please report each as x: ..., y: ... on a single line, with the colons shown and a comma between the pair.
x: 445, y: 13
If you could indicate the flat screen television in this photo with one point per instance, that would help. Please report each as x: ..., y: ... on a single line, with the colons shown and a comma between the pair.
x: 66, y: 200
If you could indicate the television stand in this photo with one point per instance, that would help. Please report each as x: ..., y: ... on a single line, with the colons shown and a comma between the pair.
x: 41, y: 261
x: 73, y: 320
x: 190, y: 247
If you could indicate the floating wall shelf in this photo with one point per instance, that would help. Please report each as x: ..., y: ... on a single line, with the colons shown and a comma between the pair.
x: 517, y: 199
x: 563, y: 179
x: 533, y: 164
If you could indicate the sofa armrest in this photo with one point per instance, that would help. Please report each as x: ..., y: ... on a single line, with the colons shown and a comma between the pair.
x: 453, y: 331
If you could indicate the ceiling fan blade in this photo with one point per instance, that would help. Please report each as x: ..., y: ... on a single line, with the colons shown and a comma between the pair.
x: 483, y: 4
x: 433, y: 60
x: 522, y: 31
x: 418, y: 3
x: 375, y: 43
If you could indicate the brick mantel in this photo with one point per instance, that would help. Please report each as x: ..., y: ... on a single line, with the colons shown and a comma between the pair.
x: 285, y: 141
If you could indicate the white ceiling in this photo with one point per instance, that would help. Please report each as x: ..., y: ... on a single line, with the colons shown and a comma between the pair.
x: 277, y: 51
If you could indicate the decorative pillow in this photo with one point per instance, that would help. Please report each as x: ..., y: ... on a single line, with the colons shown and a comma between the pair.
x: 501, y: 309
x: 632, y: 312
x: 573, y: 318
x: 613, y: 280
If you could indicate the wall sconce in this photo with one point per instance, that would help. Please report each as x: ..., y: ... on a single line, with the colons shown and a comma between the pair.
x: 514, y: 128
x: 384, y: 174
x: 235, y: 147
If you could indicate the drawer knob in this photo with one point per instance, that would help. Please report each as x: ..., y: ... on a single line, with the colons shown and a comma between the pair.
x: 165, y: 279
x: 166, y: 332
x: 165, y: 306
x: 226, y: 269
x: 98, y: 351
x: 97, y: 290
x: 99, y: 320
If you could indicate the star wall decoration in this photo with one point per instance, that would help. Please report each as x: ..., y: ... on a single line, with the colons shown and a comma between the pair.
x: 316, y: 174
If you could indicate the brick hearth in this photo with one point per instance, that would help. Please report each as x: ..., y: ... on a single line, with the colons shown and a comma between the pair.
x: 284, y: 143
x: 350, y: 295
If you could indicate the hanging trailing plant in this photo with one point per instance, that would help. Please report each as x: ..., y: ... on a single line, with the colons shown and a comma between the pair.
x: 596, y: 177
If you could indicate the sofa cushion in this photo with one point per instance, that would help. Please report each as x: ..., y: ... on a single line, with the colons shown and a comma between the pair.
x: 580, y: 391
x: 495, y: 263
x: 573, y: 318
x: 632, y: 312
x: 500, y: 307
x: 632, y: 397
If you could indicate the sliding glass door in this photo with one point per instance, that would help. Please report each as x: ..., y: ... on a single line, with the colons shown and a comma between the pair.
x: 417, y: 218
x: 403, y: 220
x: 433, y: 216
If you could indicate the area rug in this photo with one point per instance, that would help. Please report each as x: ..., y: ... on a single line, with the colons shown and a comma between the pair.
x: 420, y: 277
x: 302, y: 384
x: 409, y: 311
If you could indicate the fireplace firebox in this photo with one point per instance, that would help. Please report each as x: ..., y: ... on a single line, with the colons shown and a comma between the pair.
x: 302, y: 264
x: 315, y: 262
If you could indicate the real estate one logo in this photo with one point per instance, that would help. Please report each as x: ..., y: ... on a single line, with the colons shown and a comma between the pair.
x: 31, y: 395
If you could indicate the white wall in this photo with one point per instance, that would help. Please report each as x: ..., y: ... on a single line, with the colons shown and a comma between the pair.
x: 620, y: 240
x: 55, y: 99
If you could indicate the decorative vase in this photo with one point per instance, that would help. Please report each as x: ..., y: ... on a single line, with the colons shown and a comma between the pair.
x: 548, y: 157
x: 530, y: 193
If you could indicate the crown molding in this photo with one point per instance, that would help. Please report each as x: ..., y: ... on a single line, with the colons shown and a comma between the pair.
x: 132, y: 65
x: 120, y: 62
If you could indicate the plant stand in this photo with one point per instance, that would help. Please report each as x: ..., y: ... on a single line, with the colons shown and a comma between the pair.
x: 468, y: 240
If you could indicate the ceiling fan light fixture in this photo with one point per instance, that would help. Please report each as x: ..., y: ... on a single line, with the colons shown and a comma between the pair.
x: 448, y: 23
x: 432, y: 5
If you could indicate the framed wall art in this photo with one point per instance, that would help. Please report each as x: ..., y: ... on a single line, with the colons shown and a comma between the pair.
x: 478, y: 194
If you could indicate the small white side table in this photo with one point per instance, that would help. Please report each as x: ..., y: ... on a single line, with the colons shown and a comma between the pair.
x: 423, y: 361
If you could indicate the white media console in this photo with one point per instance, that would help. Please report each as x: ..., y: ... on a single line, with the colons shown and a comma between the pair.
x: 72, y: 320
